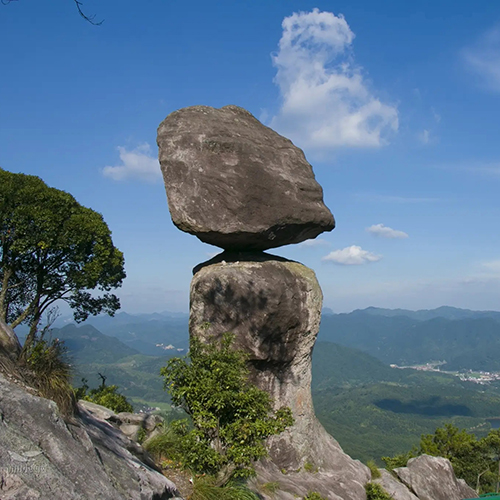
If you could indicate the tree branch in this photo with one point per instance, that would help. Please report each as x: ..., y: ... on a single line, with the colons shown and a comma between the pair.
x: 89, y: 19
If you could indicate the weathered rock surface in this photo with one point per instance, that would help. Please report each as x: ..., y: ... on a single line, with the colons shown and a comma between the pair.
x: 273, y: 307
x: 236, y: 183
x: 395, y: 488
x: 433, y: 478
x: 129, y: 423
x: 43, y: 457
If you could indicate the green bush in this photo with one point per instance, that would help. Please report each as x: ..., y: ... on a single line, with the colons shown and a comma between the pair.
x: 373, y: 469
x: 313, y: 495
x: 105, y: 396
x: 231, y: 418
x: 375, y: 492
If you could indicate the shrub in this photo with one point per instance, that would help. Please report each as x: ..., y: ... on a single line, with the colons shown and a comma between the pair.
x: 375, y: 492
x: 310, y: 467
x: 205, y: 488
x: 105, y: 396
x: 314, y: 495
x: 271, y: 487
x: 231, y: 417
x: 373, y: 469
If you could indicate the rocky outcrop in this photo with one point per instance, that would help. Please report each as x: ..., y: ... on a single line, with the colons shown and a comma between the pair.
x: 395, y: 488
x: 433, y: 478
x: 273, y: 307
x: 9, y: 343
x: 131, y: 424
x: 239, y: 185
x: 236, y: 183
x: 42, y: 456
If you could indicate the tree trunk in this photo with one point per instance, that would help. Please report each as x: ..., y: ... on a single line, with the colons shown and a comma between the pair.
x: 9, y: 343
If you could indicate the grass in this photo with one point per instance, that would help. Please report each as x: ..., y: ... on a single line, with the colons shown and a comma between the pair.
x: 204, y: 488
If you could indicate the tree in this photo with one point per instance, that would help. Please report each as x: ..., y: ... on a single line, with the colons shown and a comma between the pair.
x: 51, y: 249
x: 90, y: 19
x: 231, y: 417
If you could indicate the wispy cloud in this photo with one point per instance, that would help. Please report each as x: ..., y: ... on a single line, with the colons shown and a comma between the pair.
x: 326, y: 101
x: 136, y: 164
x: 425, y: 136
x: 492, y: 266
x: 351, y: 256
x: 483, y: 58
x: 386, y: 232
x: 317, y: 242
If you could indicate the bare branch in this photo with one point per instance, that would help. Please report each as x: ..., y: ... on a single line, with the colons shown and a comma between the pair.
x: 90, y: 19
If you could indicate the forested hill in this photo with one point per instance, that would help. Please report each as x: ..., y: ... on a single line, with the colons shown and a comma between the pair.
x: 472, y: 342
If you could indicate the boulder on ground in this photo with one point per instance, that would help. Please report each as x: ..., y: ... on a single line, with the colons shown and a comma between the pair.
x: 433, y: 478
x: 396, y: 489
x: 237, y: 184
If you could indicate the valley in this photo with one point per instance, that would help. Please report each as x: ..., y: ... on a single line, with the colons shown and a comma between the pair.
x: 374, y: 387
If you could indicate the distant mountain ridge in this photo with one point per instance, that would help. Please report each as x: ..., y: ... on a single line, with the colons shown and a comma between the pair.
x: 447, y: 312
x: 470, y: 342
x: 466, y: 339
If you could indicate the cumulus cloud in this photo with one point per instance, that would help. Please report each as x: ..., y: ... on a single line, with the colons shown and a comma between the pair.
x: 317, y: 242
x: 351, y: 256
x: 483, y: 58
x: 326, y: 100
x: 386, y: 232
x: 136, y: 164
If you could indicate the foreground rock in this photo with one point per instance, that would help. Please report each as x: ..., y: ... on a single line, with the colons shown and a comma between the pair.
x: 433, y: 478
x: 273, y: 307
x: 237, y: 184
x: 131, y: 424
x: 43, y: 457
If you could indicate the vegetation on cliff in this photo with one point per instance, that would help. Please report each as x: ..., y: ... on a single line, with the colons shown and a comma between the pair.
x: 230, y: 417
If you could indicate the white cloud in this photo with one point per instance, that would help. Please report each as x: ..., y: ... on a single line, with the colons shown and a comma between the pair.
x: 136, y: 164
x: 353, y: 255
x: 386, y: 232
x: 424, y: 136
x: 483, y: 58
x: 326, y: 101
x: 317, y: 242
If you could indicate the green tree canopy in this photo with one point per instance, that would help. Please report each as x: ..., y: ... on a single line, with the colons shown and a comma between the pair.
x: 52, y: 248
x: 231, y: 416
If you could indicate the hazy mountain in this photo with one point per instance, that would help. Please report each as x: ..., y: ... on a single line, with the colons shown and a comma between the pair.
x: 426, y: 314
x: 86, y: 344
x: 472, y: 342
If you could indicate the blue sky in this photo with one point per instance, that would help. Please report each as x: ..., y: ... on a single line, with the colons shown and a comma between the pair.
x: 395, y: 104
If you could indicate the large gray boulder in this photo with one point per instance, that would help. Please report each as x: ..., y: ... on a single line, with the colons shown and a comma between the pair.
x: 236, y: 183
x: 433, y: 478
x: 273, y: 308
x: 396, y: 489
x: 42, y: 456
